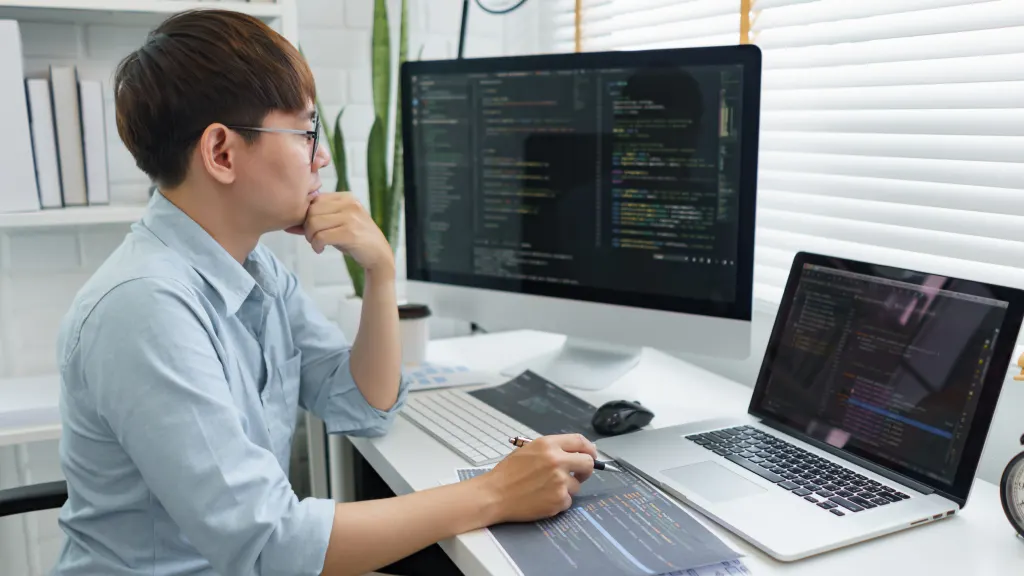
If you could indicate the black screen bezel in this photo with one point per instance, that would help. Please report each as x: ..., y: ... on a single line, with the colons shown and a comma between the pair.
x: 991, y: 387
x: 749, y: 56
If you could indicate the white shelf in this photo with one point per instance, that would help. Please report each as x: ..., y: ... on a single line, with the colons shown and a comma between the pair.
x: 77, y: 216
x: 29, y: 409
x: 138, y: 11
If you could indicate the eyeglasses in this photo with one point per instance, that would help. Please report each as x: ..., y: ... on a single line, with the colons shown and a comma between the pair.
x: 313, y: 135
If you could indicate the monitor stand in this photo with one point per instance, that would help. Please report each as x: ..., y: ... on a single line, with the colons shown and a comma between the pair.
x: 581, y: 364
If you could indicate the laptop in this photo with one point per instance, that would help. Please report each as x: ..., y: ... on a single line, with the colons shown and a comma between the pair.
x: 868, y: 416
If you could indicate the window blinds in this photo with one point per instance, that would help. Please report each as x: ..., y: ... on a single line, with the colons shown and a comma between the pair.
x: 646, y: 24
x: 891, y: 130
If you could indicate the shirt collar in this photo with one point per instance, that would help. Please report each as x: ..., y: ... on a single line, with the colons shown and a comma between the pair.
x: 232, y: 282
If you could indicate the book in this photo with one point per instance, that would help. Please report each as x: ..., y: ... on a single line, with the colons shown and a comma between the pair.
x: 44, y: 142
x: 95, y: 142
x: 18, y: 191
x: 68, y: 119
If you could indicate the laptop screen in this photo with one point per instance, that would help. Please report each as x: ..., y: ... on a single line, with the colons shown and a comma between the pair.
x: 889, y: 367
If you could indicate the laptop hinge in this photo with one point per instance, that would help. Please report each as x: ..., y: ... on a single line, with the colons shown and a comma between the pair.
x: 862, y: 462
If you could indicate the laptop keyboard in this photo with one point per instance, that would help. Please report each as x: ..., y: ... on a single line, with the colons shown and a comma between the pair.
x: 831, y: 486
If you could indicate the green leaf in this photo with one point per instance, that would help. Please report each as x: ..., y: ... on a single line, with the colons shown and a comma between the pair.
x: 335, y: 141
x: 397, y: 189
x: 403, y: 36
x: 381, y: 62
x: 395, y: 203
x: 355, y: 271
x: 377, y: 171
x: 338, y: 154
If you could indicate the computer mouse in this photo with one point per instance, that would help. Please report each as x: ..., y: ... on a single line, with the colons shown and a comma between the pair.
x: 619, y: 417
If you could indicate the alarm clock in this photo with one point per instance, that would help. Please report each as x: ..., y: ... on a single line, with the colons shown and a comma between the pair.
x: 1011, y: 490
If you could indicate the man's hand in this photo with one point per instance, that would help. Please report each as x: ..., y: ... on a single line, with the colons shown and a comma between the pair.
x: 534, y: 481
x: 338, y: 219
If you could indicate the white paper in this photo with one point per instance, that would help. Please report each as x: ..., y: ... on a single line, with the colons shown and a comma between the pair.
x: 730, y: 568
x: 430, y: 376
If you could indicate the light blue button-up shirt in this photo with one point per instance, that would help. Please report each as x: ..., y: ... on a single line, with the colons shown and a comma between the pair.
x: 182, y: 374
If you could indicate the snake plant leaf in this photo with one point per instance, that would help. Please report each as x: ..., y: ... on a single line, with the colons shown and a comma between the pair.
x: 380, y: 66
x: 356, y: 273
x: 338, y: 154
x: 397, y: 189
x: 377, y: 171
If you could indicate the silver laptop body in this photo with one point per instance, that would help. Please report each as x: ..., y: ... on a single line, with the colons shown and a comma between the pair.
x: 868, y: 416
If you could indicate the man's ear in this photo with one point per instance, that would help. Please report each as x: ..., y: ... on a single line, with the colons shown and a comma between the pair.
x: 218, y: 149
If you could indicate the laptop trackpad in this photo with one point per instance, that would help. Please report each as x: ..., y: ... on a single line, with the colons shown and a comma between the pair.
x: 712, y: 482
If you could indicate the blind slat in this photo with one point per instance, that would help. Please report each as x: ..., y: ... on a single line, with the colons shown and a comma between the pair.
x: 977, y: 224
x: 953, y: 45
x: 665, y: 32
x: 995, y: 272
x: 838, y: 10
x: 992, y: 122
x: 977, y: 148
x: 719, y: 40
x: 942, y: 71
x: 988, y: 16
x: 993, y: 174
x: 963, y: 96
x: 963, y: 247
x: 955, y: 196
x: 681, y: 13
x: 770, y: 275
x: 773, y: 257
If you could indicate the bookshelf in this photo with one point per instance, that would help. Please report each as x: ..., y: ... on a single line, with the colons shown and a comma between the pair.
x: 127, y: 11
x: 72, y: 216
x: 279, y: 14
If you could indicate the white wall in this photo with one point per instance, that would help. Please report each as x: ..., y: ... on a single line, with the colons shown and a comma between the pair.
x: 41, y: 270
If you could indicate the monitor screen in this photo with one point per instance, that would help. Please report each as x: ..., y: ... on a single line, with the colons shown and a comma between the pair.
x: 890, y: 368
x: 625, y: 179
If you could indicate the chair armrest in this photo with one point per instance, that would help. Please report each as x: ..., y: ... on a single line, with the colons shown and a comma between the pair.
x: 33, y: 498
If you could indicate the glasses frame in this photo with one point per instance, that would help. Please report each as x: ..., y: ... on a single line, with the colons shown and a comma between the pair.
x: 315, y: 133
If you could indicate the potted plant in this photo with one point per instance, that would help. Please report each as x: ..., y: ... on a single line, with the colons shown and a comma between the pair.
x: 386, y: 191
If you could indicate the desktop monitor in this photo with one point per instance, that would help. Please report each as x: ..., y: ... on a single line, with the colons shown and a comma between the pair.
x: 606, y: 196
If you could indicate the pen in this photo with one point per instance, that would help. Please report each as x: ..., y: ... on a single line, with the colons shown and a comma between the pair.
x: 520, y: 441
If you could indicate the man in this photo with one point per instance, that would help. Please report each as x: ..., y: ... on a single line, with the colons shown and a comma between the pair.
x: 185, y: 357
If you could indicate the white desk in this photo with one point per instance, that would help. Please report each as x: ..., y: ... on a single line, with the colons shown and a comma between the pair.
x: 978, y: 541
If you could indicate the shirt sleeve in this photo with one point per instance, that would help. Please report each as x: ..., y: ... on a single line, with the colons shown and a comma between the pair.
x: 158, y: 381
x: 327, y: 387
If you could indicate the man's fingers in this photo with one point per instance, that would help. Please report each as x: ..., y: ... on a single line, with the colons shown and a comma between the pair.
x: 581, y: 465
x: 317, y: 224
x: 573, y: 486
x: 333, y: 202
x: 575, y: 443
x: 337, y: 237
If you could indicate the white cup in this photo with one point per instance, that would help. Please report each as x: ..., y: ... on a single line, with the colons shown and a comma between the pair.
x: 413, y: 325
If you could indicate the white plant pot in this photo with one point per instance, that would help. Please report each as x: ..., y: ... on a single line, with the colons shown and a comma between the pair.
x: 349, y: 311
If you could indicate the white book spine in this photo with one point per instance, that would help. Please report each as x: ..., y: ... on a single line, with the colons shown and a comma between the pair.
x: 94, y: 138
x: 18, y: 190
x: 44, y: 143
x: 67, y: 115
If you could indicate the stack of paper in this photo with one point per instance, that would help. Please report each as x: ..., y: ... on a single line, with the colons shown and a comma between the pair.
x: 617, y: 525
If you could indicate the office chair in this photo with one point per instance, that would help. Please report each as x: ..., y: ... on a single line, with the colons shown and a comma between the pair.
x: 33, y: 498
